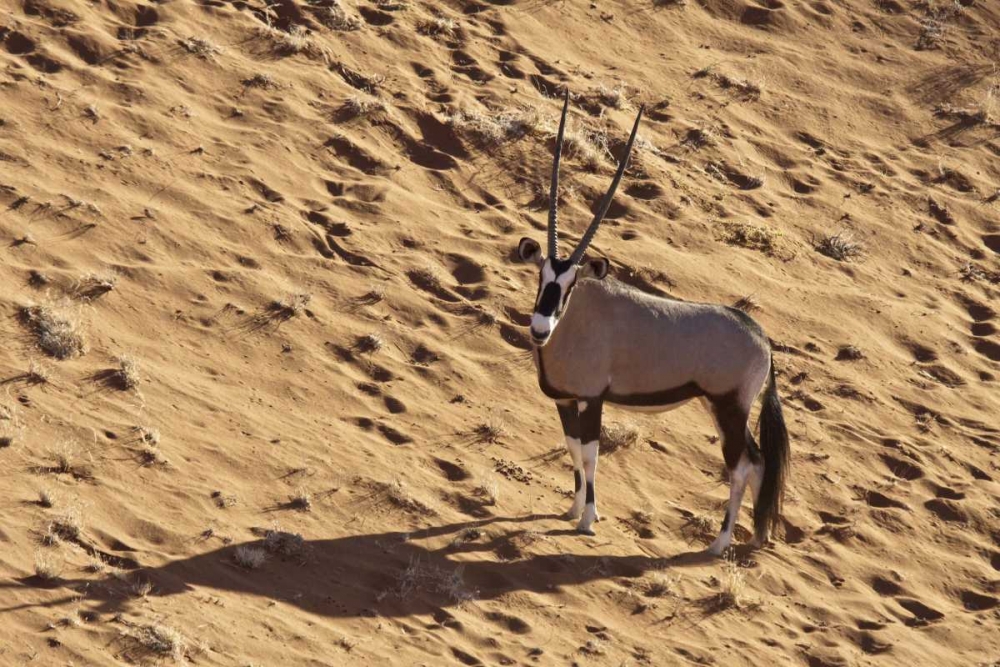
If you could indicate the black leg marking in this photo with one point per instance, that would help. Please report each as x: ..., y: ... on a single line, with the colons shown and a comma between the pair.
x: 590, y: 493
x: 570, y: 418
x: 590, y: 420
x: 733, y: 423
x: 725, y: 522
x: 578, y: 476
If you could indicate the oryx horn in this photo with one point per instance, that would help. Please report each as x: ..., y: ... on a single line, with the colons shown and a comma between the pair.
x: 606, y: 202
x: 554, y: 190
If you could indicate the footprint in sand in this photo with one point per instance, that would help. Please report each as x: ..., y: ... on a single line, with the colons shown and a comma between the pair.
x: 453, y: 472
x: 393, y: 435
x: 510, y: 623
x: 902, y: 469
x: 882, y: 501
x: 946, y: 510
x: 922, y: 614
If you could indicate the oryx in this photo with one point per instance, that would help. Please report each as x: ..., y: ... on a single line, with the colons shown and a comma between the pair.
x: 597, y: 341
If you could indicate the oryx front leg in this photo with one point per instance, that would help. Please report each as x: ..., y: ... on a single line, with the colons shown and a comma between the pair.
x: 590, y: 432
x: 570, y: 418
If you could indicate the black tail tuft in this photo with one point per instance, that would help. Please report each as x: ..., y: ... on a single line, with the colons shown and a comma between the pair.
x: 774, y: 447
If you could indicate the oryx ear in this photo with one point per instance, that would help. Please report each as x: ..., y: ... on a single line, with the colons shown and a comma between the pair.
x: 528, y: 250
x: 595, y: 268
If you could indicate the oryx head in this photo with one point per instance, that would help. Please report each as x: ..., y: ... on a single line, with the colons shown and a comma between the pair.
x: 558, y: 276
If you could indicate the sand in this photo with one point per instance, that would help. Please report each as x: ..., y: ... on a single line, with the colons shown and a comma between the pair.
x: 265, y: 348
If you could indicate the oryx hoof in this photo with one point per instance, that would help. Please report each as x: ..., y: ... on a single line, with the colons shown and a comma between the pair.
x: 573, y: 513
x: 717, y: 548
x: 585, y: 530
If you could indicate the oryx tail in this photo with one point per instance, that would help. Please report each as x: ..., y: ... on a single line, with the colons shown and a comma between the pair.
x: 774, y: 447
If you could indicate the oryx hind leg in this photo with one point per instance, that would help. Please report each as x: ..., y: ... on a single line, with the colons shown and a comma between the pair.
x: 743, y: 460
x: 570, y: 418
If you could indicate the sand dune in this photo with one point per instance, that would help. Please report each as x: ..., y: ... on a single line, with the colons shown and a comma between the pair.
x: 266, y: 391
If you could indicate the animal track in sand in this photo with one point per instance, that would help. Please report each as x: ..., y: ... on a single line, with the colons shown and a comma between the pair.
x: 393, y: 435
x: 992, y: 241
x: 922, y: 614
x: 880, y: 500
x: 468, y: 66
x: 946, y: 510
x: 511, y: 623
x: 375, y: 17
x: 902, y: 469
x: 355, y: 156
x: 974, y: 601
x: 453, y: 472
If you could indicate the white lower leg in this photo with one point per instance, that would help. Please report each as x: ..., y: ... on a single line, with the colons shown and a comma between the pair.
x: 579, y: 498
x: 589, y: 455
x: 738, y: 479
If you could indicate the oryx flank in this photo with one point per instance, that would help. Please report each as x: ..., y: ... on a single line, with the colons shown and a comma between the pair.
x: 598, y: 341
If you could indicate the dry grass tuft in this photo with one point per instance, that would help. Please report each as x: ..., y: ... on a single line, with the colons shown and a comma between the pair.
x: 747, y: 304
x: 301, y: 500
x: 753, y: 237
x: 489, y: 490
x: 419, y: 576
x: 438, y: 26
x: 57, y: 328
x: 46, y: 498
x: 47, y: 566
x: 291, y: 306
x: 733, y: 585
x: 495, y: 127
x: 203, y: 48
x: 369, y: 344
x: 249, y: 557
x: 67, y: 526
x: 660, y: 585
x: 399, y: 495
x: 492, y: 431
x: 94, y: 285
x: 363, y: 104
x: 618, y: 435
x: 126, y: 375
x: 295, y: 41
x: 840, y: 246
x: 157, y: 640
x: 284, y: 543
x: 335, y: 17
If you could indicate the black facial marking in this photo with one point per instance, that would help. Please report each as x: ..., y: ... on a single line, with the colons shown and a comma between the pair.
x: 551, y: 297
x: 578, y: 478
x: 590, y: 493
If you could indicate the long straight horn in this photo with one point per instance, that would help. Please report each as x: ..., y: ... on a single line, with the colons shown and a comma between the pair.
x: 554, y: 190
x: 606, y: 202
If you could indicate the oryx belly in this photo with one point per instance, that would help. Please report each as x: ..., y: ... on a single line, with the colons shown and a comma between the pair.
x: 653, y: 408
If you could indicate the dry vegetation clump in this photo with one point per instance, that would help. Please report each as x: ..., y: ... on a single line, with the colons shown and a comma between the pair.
x: 369, y: 344
x: 660, y: 585
x: 840, y: 246
x: 849, y: 353
x: 747, y: 88
x: 615, y: 97
x: 147, y: 434
x: 419, y: 576
x: 363, y: 104
x: 249, y: 557
x: 284, y: 543
x: 94, y: 285
x: 335, y: 17
x: 933, y: 25
x: 293, y: 42
x: 57, y: 328
x: 38, y: 373
x: 203, y: 48
x: 492, y: 431
x: 753, y: 237
x: 155, y: 640
x: 399, y: 495
x: 489, y: 490
x: 436, y: 26
x: 67, y: 526
x: 260, y: 80
x: 747, y: 304
x: 47, y: 566
x: 10, y: 431
x: 733, y: 586
x: 291, y: 306
x: 970, y: 272
x: 495, y: 127
x: 126, y: 373
x: 46, y: 498
x: 618, y: 435
x: 300, y: 500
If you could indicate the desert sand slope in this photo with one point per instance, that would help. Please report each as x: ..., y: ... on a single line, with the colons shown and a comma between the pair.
x: 266, y: 395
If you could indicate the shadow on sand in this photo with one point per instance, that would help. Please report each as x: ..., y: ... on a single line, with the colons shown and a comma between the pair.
x: 366, y: 575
